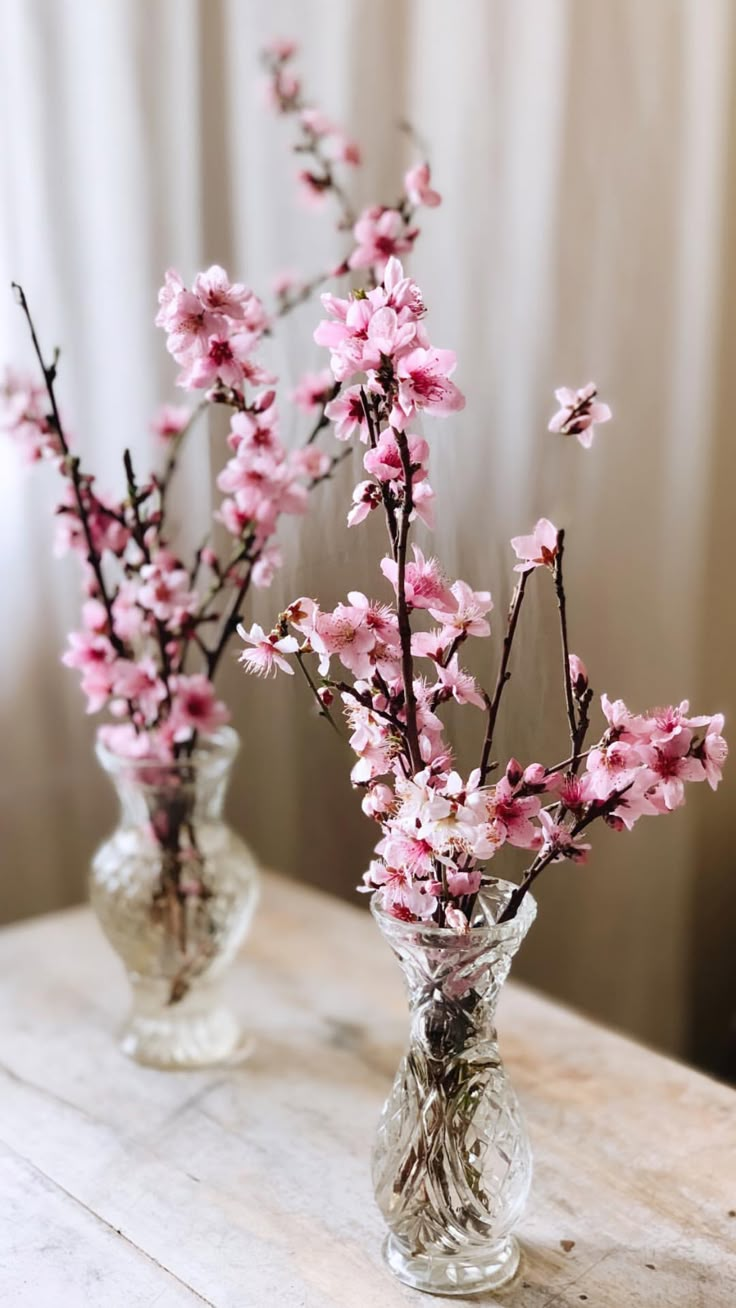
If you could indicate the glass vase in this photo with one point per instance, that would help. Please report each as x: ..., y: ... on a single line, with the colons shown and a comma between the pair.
x: 452, y: 1163
x: 174, y: 889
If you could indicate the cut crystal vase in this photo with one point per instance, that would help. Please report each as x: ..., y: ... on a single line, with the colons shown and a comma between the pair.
x: 452, y: 1163
x: 174, y: 889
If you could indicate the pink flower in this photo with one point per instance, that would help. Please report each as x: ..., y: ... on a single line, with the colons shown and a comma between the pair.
x: 170, y: 421
x: 578, y: 413
x: 513, y: 813
x: 671, y: 765
x: 560, y: 842
x: 226, y: 359
x: 281, y: 48
x: 538, y: 550
x: 195, y: 707
x: 612, y: 767
x: 714, y: 751
x: 166, y: 589
x: 459, y: 684
x: 366, y: 498
x: 469, y: 617
x: 456, y: 920
x: 344, y: 633
x: 424, y: 384
x: 424, y: 584
x: 417, y: 186
x: 312, y: 188
x: 308, y: 461
x: 379, y: 234
x: 463, y: 882
x: 24, y: 410
x: 285, y: 281
x: 346, y: 412
x: 139, y: 682
x: 268, y: 651
x: 578, y: 674
x: 265, y: 568
x: 216, y: 293
x: 384, y: 461
x: 313, y: 390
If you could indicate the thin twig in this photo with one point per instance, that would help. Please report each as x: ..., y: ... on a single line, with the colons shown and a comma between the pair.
x: 407, y: 662
x: 71, y: 464
x: 323, y: 709
x: 503, y: 674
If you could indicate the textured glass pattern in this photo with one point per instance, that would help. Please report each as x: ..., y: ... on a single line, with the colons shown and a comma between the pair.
x: 174, y: 889
x: 452, y: 1163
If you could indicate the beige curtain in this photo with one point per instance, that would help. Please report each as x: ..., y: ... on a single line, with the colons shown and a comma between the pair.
x: 584, y: 148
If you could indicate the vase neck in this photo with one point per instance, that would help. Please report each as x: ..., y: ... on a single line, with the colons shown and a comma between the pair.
x: 190, y: 790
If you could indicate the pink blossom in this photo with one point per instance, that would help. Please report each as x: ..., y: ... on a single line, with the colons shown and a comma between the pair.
x: 671, y: 765
x: 431, y: 644
x: 463, y: 882
x: 424, y: 584
x: 459, y: 684
x: 309, y: 461
x: 170, y: 421
x: 313, y: 390
x: 141, y: 683
x: 714, y: 751
x: 578, y: 674
x: 538, y: 550
x: 424, y: 384
x: 195, y: 707
x: 268, y: 651
x: 384, y: 461
x: 578, y: 414
x: 423, y: 498
x: 379, y: 234
x: 226, y: 359
x: 129, y: 742
x: 343, y: 632
x: 612, y: 767
x: 285, y: 281
x: 217, y: 293
x: 281, y: 48
x: 560, y: 842
x: 399, y: 895
x: 513, y: 814
x: 347, y: 413
x: 24, y: 410
x: 265, y: 568
x: 166, y: 589
x: 366, y: 497
x: 418, y: 188
x: 378, y: 801
x: 469, y: 616
x: 313, y: 188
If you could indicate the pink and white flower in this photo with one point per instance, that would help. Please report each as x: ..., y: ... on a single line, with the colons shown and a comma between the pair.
x: 538, y: 550
x: 579, y: 413
x: 267, y: 654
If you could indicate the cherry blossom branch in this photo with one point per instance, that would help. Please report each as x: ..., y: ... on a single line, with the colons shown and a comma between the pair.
x: 386, y: 496
x: 139, y: 536
x: 72, y: 467
x: 232, y: 618
x: 578, y: 724
x: 407, y: 662
x: 323, y: 421
x: 503, y: 674
x: 175, y: 449
x: 552, y: 853
x: 324, y: 711
x: 335, y: 462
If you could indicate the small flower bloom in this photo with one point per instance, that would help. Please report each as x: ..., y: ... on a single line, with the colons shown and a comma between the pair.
x: 169, y: 421
x: 418, y: 188
x: 578, y: 674
x: 313, y: 390
x: 424, y: 584
x: 578, y: 414
x: 538, y: 550
x: 379, y: 234
x: 268, y: 651
x: 347, y: 413
x: 195, y: 707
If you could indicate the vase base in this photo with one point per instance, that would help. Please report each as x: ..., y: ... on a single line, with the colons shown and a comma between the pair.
x: 454, y: 1274
x: 185, y: 1041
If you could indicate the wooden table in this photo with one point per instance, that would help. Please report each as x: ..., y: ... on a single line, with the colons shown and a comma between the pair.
x: 248, y: 1187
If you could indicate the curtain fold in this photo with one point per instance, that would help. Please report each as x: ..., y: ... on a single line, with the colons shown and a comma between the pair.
x: 585, y: 153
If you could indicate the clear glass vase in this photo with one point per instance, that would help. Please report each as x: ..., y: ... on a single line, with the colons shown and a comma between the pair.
x: 452, y: 1163
x: 174, y: 889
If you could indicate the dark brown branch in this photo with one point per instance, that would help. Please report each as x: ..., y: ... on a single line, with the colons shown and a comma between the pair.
x: 407, y: 662
x: 503, y: 674
x: 71, y: 465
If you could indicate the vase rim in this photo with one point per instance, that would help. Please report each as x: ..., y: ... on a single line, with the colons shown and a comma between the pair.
x: 219, y: 747
x: 492, y: 932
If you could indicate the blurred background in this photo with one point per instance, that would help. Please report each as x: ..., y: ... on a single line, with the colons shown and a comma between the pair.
x: 585, y: 153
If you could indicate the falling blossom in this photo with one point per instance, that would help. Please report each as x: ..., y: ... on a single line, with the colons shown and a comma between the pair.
x: 418, y: 188
x: 579, y: 413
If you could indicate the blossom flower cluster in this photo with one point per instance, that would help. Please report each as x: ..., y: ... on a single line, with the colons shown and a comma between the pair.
x: 392, y: 663
x: 154, y: 628
x: 379, y: 232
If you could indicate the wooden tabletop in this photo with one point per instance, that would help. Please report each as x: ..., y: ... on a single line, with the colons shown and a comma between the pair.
x: 249, y: 1187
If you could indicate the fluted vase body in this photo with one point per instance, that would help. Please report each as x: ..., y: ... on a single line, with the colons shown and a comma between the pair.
x: 174, y: 889
x: 452, y: 1163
